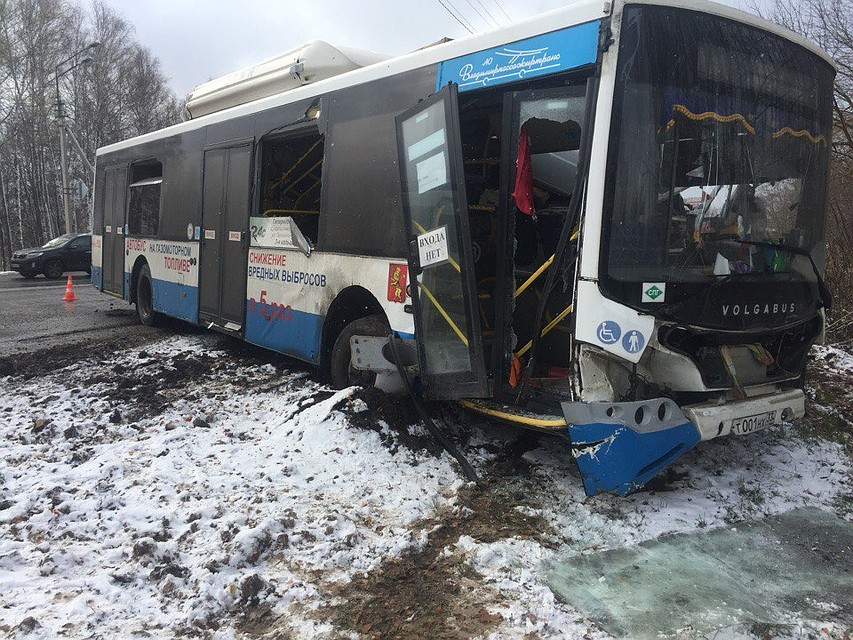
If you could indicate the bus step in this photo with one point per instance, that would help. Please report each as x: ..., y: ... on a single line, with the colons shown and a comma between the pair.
x: 517, y: 415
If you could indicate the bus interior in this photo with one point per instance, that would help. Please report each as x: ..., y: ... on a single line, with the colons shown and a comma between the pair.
x: 520, y: 153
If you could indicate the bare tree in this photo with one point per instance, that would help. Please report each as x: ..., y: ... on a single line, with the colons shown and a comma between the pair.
x: 120, y: 94
x: 829, y: 23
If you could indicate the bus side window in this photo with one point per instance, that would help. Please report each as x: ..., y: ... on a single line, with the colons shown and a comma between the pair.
x: 143, y: 213
x: 291, y: 172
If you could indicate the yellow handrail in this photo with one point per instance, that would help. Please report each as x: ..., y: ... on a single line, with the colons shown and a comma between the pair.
x: 538, y: 272
x: 547, y: 328
x: 307, y: 191
x: 444, y: 313
x: 297, y: 163
x: 535, y: 275
x: 310, y: 169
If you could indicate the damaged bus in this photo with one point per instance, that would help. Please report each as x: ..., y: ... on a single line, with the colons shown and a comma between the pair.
x: 606, y: 223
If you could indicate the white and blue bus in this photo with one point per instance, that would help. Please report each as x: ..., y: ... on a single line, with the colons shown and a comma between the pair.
x: 606, y: 222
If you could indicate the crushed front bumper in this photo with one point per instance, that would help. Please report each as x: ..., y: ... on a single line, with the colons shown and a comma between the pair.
x: 620, y: 446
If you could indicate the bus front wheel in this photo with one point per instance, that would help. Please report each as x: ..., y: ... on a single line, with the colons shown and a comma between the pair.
x: 145, y: 298
x: 342, y: 372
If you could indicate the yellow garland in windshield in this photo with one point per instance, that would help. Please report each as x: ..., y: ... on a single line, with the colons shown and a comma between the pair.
x: 734, y: 117
x: 799, y: 134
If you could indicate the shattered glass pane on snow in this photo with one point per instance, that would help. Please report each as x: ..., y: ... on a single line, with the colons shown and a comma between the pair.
x: 784, y: 570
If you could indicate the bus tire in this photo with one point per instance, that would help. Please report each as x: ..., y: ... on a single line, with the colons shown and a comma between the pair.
x: 342, y: 372
x: 145, y: 298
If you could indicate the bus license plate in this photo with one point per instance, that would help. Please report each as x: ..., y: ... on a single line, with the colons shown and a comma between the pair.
x: 757, y: 422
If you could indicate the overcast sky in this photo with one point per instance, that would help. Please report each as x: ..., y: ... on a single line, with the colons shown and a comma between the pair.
x: 196, y: 40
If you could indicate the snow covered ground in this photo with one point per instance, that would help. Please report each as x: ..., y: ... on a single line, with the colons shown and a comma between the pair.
x: 197, y: 488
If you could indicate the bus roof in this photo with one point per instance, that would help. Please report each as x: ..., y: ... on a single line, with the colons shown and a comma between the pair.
x: 573, y: 14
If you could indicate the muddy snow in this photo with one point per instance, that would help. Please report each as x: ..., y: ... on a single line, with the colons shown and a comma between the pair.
x: 195, y: 487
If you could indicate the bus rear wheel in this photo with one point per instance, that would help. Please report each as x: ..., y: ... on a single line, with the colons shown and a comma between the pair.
x: 145, y: 298
x: 343, y: 374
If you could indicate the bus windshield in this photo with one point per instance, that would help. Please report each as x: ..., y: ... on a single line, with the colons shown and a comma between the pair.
x: 719, y: 153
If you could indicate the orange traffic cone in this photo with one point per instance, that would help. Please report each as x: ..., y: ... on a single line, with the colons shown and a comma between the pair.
x: 69, y: 291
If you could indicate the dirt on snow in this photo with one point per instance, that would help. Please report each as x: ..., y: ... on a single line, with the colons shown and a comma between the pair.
x: 438, y: 558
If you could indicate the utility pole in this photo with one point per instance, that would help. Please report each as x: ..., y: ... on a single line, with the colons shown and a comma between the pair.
x: 63, y: 157
x: 61, y: 120
x: 89, y: 166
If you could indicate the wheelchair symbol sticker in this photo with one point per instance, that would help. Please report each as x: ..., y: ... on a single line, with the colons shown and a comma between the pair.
x: 633, y: 341
x: 608, y: 332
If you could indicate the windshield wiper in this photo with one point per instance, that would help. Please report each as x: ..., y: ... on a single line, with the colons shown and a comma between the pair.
x: 825, y: 295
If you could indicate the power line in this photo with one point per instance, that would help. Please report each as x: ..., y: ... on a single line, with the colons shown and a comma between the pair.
x: 459, y: 12
x: 479, y: 13
x: 455, y: 17
x: 500, y: 6
x: 488, y: 13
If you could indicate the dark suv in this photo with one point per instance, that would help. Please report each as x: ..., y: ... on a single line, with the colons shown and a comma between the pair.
x: 71, y: 252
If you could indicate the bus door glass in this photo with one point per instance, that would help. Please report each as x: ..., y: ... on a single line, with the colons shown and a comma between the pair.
x: 443, y: 290
x: 224, y: 246
x: 541, y: 152
x: 115, y: 199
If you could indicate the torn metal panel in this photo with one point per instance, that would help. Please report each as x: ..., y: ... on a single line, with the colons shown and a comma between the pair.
x: 619, y: 446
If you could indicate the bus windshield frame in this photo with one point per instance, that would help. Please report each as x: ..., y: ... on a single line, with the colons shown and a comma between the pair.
x: 719, y: 147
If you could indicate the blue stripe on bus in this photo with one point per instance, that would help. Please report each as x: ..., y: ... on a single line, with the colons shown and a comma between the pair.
x: 126, y: 291
x: 296, y: 333
x: 97, y: 277
x: 174, y: 299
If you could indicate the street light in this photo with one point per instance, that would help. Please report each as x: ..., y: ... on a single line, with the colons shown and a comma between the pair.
x: 60, y: 115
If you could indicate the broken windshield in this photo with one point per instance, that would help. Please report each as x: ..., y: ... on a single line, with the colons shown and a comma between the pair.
x: 721, y: 136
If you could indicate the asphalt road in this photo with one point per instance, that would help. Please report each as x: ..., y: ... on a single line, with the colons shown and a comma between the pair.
x: 10, y: 280
x: 33, y: 315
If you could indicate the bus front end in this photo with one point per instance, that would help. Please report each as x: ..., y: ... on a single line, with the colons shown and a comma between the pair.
x: 699, y: 289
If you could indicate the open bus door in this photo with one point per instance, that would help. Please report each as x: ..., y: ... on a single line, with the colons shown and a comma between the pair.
x: 443, y: 289
x: 542, y: 134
